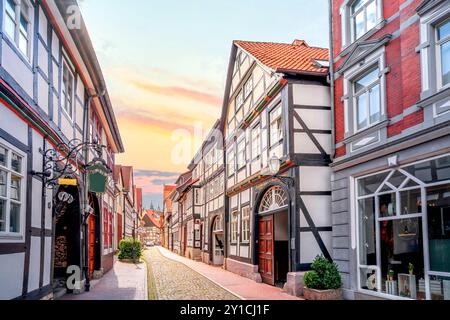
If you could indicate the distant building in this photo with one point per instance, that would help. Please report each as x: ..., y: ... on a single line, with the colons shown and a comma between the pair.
x: 150, y: 228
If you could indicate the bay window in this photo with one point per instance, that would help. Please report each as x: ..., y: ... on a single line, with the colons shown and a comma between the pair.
x: 443, y: 52
x: 367, y: 99
x: 404, y: 231
x: 17, y: 24
x: 276, y: 126
x: 11, y: 191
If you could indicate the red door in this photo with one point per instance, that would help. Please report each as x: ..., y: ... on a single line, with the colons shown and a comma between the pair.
x: 91, y: 245
x: 119, y: 229
x: 265, y: 251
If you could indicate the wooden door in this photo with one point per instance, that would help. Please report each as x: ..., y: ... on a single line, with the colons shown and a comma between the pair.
x: 265, y: 250
x: 91, y: 245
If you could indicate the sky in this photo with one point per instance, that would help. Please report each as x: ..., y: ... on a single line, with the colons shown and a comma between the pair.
x: 165, y: 65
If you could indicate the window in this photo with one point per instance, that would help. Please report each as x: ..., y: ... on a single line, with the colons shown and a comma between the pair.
x: 367, y: 99
x: 248, y: 88
x: 11, y: 191
x: 246, y: 224
x: 276, y: 126
x: 239, y: 101
x: 234, y: 227
x: 197, y: 193
x: 241, y: 156
x: 256, y: 142
x: 231, y: 163
x: 364, y: 16
x: 67, y: 92
x: 17, y: 24
x: 443, y: 52
x: 398, y: 211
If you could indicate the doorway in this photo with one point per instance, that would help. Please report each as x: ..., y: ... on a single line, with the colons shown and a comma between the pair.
x: 67, y: 226
x: 184, y: 240
x: 217, y: 241
x: 281, y: 248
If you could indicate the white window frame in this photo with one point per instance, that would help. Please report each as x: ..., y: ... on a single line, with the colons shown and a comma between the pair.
x: 366, y: 92
x: 439, y: 44
x: 351, y: 23
x: 256, y: 141
x: 8, y: 236
x: 280, y: 134
x: 29, y: 18
x: 234, y: 227
x: 67, y: 65
x: 398, y: 216
x: 231, y: 163
x: 241, y: 154
x: 245, y: 222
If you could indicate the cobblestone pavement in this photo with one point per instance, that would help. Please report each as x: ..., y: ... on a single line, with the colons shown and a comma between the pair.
x: 175, y: 281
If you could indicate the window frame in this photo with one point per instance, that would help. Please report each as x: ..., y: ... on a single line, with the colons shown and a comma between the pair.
x: 19, y: 12
x: 231, y: 162
x: 439, y: 43
x: 234, y: 225
x: 256, y: 137
x: 280, y: 136
x: 245, y: 224
x: 366, y: 92
x: 241, y: 154
x: 8, y: 235
x: 423, y: 186
x: 71, y: 73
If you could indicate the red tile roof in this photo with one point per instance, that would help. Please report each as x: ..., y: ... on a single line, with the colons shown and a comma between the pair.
x: 166, y: 194
x: 297, y: 57
x: 149, y: 218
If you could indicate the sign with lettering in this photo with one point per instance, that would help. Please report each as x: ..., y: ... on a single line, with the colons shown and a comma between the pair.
x: 67, y: 182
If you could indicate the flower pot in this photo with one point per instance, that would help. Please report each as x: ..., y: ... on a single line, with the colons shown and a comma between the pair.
x: 313, y: 294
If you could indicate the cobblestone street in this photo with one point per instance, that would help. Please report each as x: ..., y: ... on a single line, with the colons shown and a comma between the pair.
x: 175, y: 281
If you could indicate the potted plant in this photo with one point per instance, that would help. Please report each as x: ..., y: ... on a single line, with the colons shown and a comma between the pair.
x: 391, y: 274
x: 411, y: 268
x: 130, y: 250
x: 323, y: 282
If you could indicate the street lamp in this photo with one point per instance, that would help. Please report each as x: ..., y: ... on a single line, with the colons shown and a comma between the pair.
x: 274, y: 168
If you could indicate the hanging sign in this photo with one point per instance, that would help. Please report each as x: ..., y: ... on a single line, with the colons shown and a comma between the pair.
x: 97, y: 178
x: 67, y: 182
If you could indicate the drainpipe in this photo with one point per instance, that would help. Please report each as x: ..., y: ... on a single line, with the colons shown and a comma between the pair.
x: 331, y: 71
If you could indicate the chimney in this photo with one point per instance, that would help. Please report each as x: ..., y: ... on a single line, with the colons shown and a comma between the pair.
x: 298, y: 42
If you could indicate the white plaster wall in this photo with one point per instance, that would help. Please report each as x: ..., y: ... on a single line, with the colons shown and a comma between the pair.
x: 303, y: 144
x: 319, y: 207
x: 314, y: 119
x: 42, y: 58
x: 11, y: 275
x: 309, y: 247
x: 36, y: 204
x: 315, y: 178
x: 11, y: 123
x: 55, y: 46
x: 47, y: 261
x: 43, y: 31
x: 35, y: 264
x: 311, y: 95
x: 244, y: 251
x: 43, y: 94
x: 17, y: 68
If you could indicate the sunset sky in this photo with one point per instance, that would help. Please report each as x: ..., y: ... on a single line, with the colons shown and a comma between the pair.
x: 165, y: 64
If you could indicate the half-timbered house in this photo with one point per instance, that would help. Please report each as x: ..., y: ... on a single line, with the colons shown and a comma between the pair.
x: 51, y: 92
x: 277, y: 109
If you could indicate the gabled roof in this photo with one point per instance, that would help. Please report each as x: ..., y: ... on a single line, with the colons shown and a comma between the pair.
x: 166, y: 197
x: 116, y: 172
x: 297, y: 57
x: 127, y: 178
x: 149, y: 219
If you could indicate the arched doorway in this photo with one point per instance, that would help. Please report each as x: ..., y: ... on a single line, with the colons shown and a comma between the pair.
x: 217, y: 241
x: 67, y: 226
x: 272, y: 241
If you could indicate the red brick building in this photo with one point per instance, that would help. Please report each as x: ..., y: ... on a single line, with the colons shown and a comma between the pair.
x: 391, y: 182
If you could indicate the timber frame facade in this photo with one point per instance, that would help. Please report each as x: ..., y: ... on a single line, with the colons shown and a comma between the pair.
x: 48, y: 86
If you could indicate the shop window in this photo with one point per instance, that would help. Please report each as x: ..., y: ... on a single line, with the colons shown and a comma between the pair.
x: 392, y: 235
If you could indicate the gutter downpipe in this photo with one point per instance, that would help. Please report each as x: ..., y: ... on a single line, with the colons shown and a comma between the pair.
x: 331, y: 71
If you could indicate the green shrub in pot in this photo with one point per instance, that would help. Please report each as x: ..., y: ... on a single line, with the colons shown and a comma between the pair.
x: 324, y: 275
